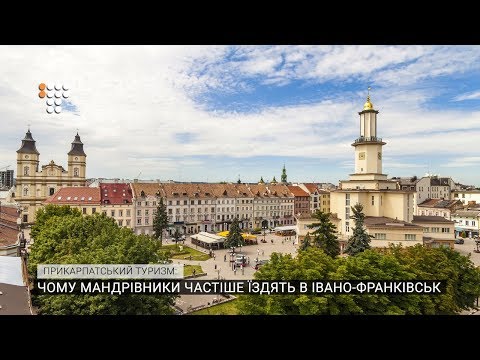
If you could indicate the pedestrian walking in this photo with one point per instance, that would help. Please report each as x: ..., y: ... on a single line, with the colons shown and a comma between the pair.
x: 243, y: 270
x: 235, y: 271
x: 263, y: 252
x: 225, y: 258
x: 194, y: 272
x: 215, y: 266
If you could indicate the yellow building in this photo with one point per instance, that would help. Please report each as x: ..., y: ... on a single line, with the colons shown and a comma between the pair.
x: 34, y: 185
x: 437, y: 231
x: 368, y: 186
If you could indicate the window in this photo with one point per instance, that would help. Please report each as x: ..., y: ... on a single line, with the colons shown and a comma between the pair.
x: 463, y: 196
x: 128, y: 212
x: 347, y: 199
x: 146, y: 203
x: 146, y: 221
x: 94, y: 210
x: 120, y: 222
x: 213, y: 209
x: 380, y: 236
x: 425, y: 230
x: 185, y: 210
x: 373, y: 200
x: 170, y: 211
x: 112, y: 213
x: 347, y: 225
x: 84, y: 210
x: 139, y: 221
x: 185, y: 202
x: 120, y: 213
x: 435, y: 229
x: 199, y: 202
x: 128, y: 222
x: 139, y: 203
x: 192, y: 202
x: 26, y: 170
x: 146, y: 212
x: 410, y: 237
x: 445, y: 230
x: 170, y: 202
x: 178, y: 202
x: 473, y: 223
x: 25, y: 192
x: 467, y: 222
x: 25, y: 218
x: 75, y: 172
x: 139, y: 212
x: 51, y: 191
x: 104, y: 212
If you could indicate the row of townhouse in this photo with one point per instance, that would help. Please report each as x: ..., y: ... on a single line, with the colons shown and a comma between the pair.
x: 196, y: 207
x: 212, y: 207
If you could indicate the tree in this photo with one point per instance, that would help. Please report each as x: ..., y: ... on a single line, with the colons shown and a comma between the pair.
x: 324, y: 236
x: 44, y: 214
x: 234, y: 237
x: 395, y: 263
x: 360, y: 240
x: 160, y: 222
x: 177, y: 235
x: 306, y: 243
x: 94, y: 239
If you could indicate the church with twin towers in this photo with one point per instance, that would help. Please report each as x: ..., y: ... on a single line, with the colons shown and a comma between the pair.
x: 34, y: 183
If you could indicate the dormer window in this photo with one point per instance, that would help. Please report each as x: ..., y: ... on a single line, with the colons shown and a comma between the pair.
x: 142, y: 193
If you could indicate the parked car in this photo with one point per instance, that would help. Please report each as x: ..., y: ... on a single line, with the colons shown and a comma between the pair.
x: 459, y: 241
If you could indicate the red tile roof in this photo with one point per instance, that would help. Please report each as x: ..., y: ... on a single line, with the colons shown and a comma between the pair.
x: 311, y: 187
x: 297, y: 191
x: 8, y: 236
x: 75, y: 195
x: 116, y: 193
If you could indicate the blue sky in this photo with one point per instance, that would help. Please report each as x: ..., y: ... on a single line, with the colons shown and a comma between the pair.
x: 212, y: 113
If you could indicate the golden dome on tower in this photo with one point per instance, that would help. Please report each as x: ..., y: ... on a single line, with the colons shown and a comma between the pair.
x: 368, y: 105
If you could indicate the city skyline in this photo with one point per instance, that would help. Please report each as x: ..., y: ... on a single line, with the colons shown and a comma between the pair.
x: 212, y: 113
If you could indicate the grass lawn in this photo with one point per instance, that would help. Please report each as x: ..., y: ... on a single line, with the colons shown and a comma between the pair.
x: 228, y: 308
x: 188, y: 270
x: 185, y: 253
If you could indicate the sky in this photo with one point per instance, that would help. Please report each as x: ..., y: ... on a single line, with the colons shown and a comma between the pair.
x: 217, y: 113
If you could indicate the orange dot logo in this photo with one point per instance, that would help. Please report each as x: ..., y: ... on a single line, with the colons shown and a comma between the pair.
x: 50, y: 90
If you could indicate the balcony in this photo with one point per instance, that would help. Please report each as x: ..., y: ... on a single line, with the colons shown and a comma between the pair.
x: 363, y: 139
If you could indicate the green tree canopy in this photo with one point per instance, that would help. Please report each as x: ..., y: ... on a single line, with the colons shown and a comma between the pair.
x: 306, y: 242
x: 394, y: 263
x: 360, y: 240
x: 324, y: 236
x: 160, y: 221
x: 70, y: 238
x: 48, y: 211
x: 177, y: 235
x: 234, y: 237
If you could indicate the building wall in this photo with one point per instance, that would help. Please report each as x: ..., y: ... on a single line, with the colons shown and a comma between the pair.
x: 466, y: 196
x: 6, y: 178
x: 396, y: 205
x: 394, y: 236
x: 432, y: 211
x: 123, y: 214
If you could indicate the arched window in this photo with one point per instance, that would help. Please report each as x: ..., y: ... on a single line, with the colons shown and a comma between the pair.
x: 25, y: 192
x: 26, y: 170
x: 75, y: 172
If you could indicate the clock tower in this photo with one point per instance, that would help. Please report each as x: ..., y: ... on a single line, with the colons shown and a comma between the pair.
x: 368, y: 146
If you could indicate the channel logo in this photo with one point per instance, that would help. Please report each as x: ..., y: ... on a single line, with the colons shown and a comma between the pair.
x: 55, y: 95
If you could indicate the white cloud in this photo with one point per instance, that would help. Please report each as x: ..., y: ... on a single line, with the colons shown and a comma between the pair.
x: 132, y: 101
x: 468, y: 96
